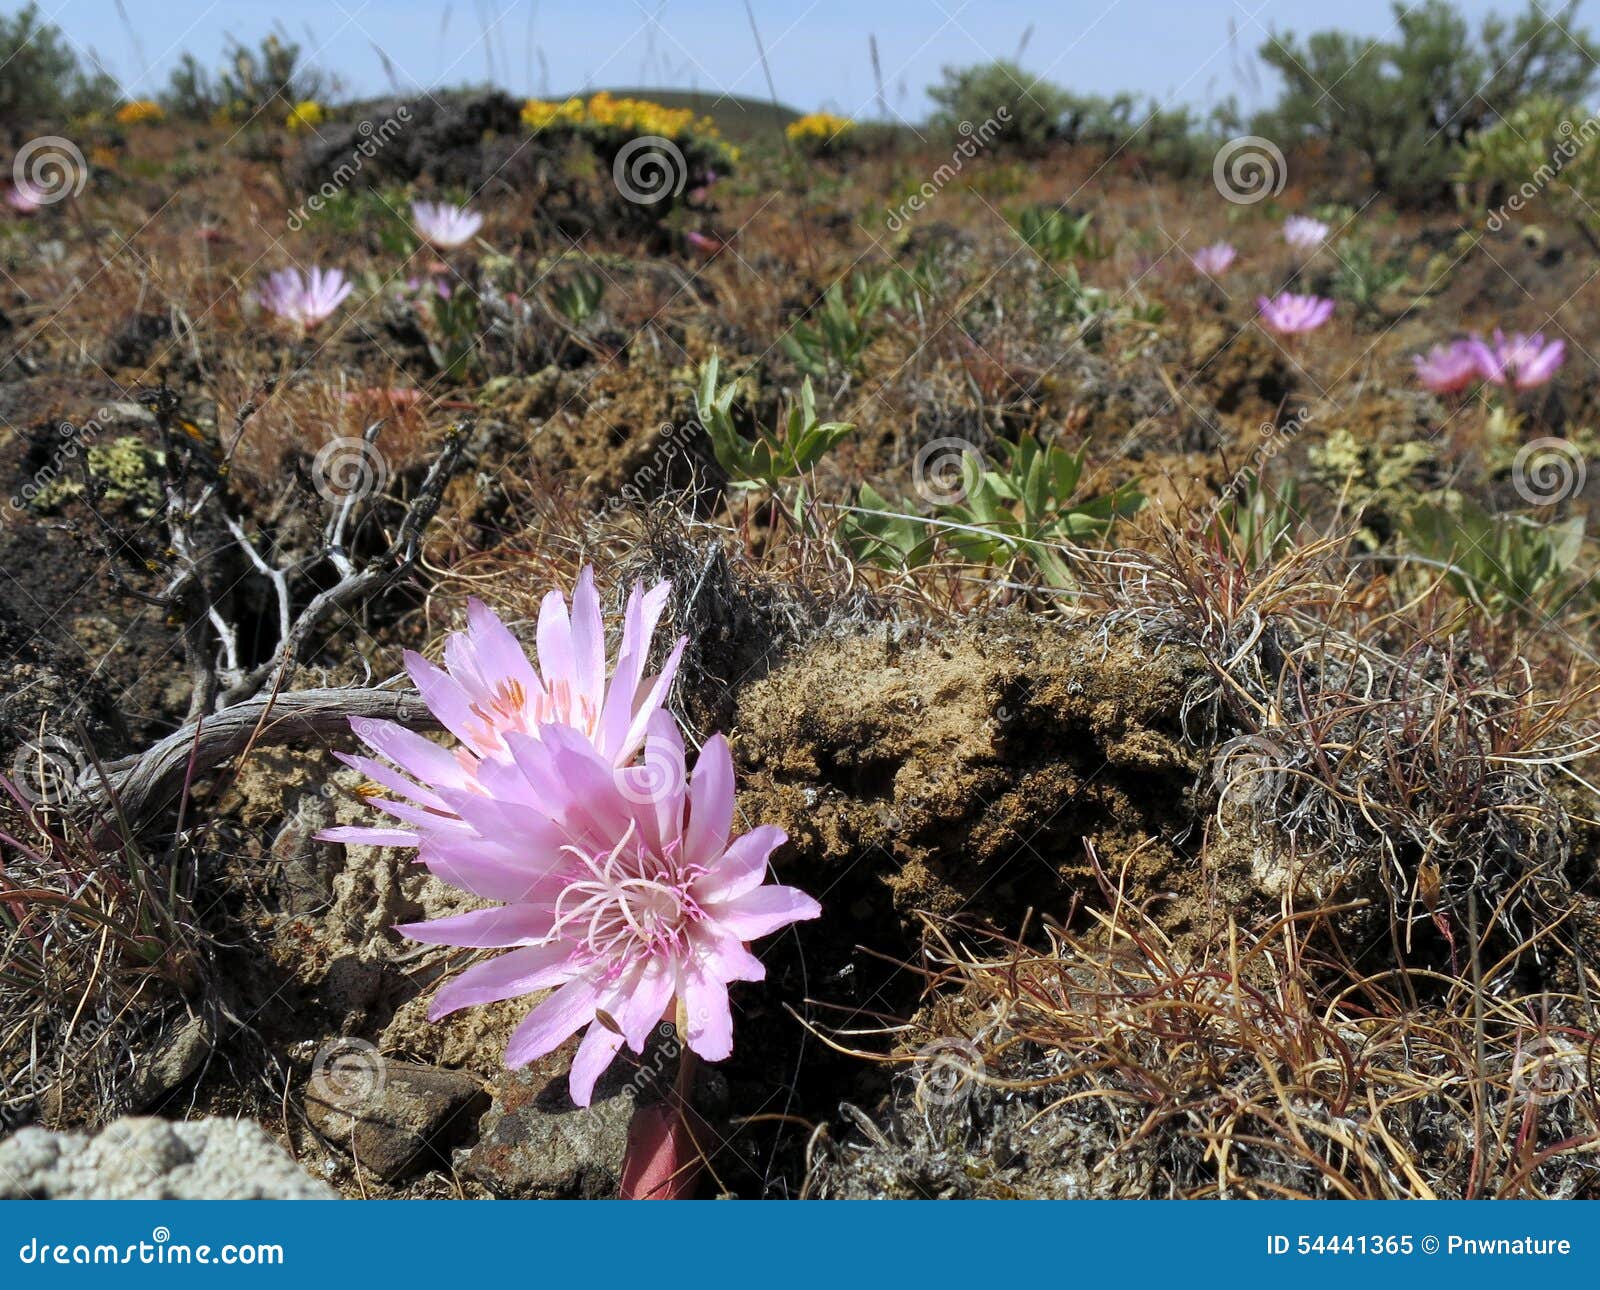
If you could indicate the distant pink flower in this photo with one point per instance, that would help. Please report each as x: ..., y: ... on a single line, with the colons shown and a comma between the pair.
x: 1304, y: 233
x: 25, y: 199
x: 1290, y: 315
x: 445, y: 226
x: 305, y: 300
x: 488, y: 689
x: 1449, y: 369
x: 1214, y: 260
x: 624, y: 900
x: 1524, y: 361
x: 703, y: 242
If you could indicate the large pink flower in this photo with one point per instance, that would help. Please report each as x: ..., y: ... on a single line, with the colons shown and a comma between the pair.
x: 626, y: 891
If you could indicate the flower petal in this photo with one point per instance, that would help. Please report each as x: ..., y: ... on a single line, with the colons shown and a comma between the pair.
x: 710, y: 804
x: 493, y: 929
x: 742, y: 866
x: 764, y: 910
x: 553, y: 1022
x: 505, y: 977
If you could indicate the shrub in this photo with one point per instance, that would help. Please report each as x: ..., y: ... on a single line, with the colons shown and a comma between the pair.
x: 1031, y: 111
x: 1542, y: 152
x: 140, y: 112
x: 270, y: 80
x: 42, y: 77
x: 1405, y: 106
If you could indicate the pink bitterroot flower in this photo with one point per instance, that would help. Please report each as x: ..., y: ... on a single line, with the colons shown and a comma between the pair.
x: 1304, y: 233
x: 1449, y: 369
x: 1291, y: 315
x: 1214, y: 260
x: 647, y: 902
x: 445, y: 226
x: 304, y: 300
x: 1523, y: 361
x: 488, y: 689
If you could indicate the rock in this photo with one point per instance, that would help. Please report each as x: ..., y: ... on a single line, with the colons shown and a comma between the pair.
x: 143, y: 1158
x: 174, y: 1060
x: 534, y: 1144
x: 396, y: 1118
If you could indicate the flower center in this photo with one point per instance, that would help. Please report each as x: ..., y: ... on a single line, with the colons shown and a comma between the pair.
x: 625, y: 905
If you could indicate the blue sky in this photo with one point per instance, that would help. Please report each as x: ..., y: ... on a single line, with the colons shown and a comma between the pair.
x: 1193, y: 51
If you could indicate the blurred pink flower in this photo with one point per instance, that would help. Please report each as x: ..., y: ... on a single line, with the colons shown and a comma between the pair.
x: 445, y: 226
x: 1304, y: 233
x: 304, y: 300
x: 703, y: 242
x: 626, y: 899
x: 1215, y: 259
x: 1449, y: 369
x: 1290, y: 315
x: 24, y: 199
x: 1524, y: 361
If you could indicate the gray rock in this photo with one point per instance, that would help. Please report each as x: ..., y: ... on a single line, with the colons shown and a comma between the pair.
x: 142, y: 1158
x: 534, y: 1144
x: 396, y: 1118
x: 173, y: 1060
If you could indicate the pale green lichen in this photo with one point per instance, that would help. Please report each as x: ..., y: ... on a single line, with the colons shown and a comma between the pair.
x: 130, y: 469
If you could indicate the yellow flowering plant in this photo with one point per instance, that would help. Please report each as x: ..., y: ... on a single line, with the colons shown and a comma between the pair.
x: 305, y: 115
x: 140, y: 112
x: 819, y: 133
